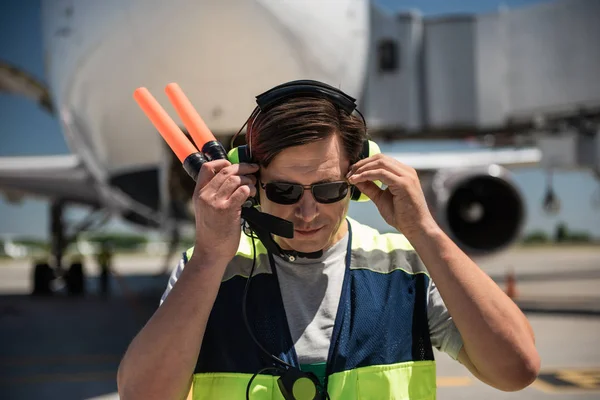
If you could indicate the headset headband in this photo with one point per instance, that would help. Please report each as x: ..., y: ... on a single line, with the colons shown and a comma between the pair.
x: 305, y: 87
x: 298, y: 88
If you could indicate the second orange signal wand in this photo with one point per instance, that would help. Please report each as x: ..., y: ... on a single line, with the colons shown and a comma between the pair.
x: 189, y: 156
x: 203, y: 137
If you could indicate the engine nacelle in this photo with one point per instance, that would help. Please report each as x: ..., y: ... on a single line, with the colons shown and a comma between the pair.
x: 480, y: 209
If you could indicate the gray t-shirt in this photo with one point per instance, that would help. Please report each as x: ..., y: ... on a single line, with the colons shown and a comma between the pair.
x: 311, y: 290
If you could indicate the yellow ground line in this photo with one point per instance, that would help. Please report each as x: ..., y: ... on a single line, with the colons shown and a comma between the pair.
x: 543, y: 386
x: 577, y: 377
x: 551, y: 389
x: 445, y: 381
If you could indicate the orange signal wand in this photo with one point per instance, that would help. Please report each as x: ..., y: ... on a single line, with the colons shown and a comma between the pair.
x: 165, y: 125
x: 203, y: 137
x: 186, y: 152
x: 191, y: 119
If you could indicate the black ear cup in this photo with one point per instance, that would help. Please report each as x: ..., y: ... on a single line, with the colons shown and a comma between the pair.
x: 355, y: 194
x: 241, y: 154
x: 369, y: 149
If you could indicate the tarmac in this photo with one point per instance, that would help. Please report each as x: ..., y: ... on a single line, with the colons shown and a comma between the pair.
x: 66, y: 347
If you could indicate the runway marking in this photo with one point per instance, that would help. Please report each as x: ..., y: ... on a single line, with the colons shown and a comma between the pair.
x: 446, y: 381
x: 572, y: 380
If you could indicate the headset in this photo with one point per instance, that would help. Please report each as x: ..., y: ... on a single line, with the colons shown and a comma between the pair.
x: 294, y: 383
x: 303, y: 88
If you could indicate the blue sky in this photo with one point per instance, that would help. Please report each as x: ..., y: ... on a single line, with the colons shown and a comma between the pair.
x: 27, y: 130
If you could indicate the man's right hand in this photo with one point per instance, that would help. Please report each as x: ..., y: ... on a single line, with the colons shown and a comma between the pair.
x: 221, y: 189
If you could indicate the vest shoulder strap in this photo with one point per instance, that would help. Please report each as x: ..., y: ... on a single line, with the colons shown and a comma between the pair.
x: 241, y: 264
x: 383, y: 253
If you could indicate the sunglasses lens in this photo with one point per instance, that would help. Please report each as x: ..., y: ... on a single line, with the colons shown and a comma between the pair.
x: 283, y: 193
x: 330, y: 192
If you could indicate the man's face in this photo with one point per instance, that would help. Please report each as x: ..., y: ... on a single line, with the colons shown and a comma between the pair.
x: 317, y: 226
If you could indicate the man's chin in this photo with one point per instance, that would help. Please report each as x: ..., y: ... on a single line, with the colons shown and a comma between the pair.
x: 303, y: 246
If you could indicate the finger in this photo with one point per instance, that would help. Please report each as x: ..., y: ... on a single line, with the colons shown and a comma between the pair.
x: 209, y: 170
x: 232, y: 170
x: 388, y: 178
x: 399, y: 171
x: 364, y: 161
x: 241, y: 194
x: 232, y: 184
x: 253, y: 190
x: 247, y: 168
x: 371, y: 190
x: 383, y: 162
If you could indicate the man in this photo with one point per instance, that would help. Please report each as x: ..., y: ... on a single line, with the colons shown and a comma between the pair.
x: 353, y: 311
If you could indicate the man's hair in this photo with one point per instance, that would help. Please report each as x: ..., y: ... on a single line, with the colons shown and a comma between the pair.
x: 303, y: 120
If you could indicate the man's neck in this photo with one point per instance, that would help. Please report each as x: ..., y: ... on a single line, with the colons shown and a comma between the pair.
x: 341, y: 232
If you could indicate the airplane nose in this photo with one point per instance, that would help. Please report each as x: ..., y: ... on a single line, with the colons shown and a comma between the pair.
x: 224, y: 53
x: 221, y: 53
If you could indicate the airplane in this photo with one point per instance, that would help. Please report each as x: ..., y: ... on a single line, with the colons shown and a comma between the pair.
x: 224, y: 53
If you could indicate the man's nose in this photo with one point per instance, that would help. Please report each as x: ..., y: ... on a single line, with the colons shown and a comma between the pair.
x: 307, y: 207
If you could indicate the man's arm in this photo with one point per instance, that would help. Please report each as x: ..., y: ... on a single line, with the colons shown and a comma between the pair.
x: 160, y: 361
x: 499, y: 345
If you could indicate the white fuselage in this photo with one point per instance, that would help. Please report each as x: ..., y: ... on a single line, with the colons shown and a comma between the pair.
x: 222, y: 54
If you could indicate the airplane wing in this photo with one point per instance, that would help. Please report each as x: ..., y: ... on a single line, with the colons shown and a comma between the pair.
x: 64, y: 176
x: 432, y: 161
x: 61, y: 177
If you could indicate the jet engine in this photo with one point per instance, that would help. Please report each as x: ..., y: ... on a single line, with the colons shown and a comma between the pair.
x: 480, y: 209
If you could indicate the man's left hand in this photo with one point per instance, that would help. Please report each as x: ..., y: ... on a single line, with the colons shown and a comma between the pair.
x: 402, y: 204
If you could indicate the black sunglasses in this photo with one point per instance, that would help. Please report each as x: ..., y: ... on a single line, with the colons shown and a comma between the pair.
x: 290, y: 193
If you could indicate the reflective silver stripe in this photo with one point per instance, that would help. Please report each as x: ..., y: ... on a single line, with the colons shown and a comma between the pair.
x: 383, y: 253
x: 241, y: 264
